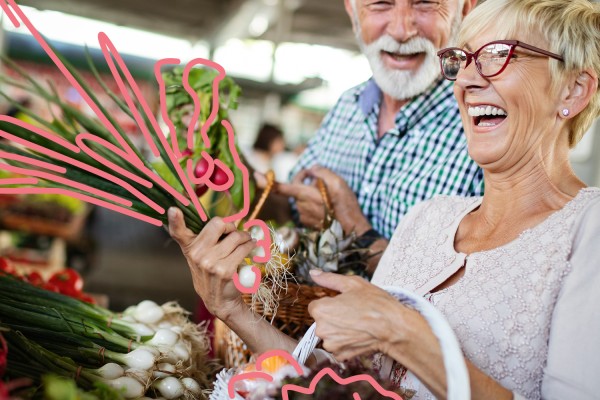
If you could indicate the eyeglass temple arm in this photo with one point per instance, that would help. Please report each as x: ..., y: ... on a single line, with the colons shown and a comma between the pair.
x: 541, y: 51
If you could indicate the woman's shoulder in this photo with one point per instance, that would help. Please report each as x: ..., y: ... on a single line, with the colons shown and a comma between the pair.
x: 587, y: 210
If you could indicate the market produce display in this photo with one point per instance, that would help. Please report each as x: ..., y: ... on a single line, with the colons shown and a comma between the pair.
x: 94, y: 160
x: 148, y: 350
x: 66, y: 281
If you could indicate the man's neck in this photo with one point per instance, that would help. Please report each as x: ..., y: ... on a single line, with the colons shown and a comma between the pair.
x: 387, y: 113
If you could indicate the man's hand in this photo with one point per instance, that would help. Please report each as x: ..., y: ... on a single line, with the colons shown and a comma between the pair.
x: 345, y: 204
x: 309, y: 202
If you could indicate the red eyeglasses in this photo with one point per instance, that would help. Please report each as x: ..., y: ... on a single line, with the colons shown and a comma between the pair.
x: 491, y: 59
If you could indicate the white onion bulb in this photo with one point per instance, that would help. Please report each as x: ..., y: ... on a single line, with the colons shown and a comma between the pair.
x: 148, y: 312
x: 142, y: 329
x: 130, y: 387
x: 164, y: 337
x: 257, y: 233
x: 111, y: 371
x: 258, y: 252
x: 191, y: 385
x: 141, y: 375
x: 181, y: 351
x: 164, y: 370
x: 247, y: 276
x: 139, y: 359
x: 170, y: 387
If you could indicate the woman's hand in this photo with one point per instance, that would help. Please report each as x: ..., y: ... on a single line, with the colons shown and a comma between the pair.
x: 362, y: 319
x: 213, y: 257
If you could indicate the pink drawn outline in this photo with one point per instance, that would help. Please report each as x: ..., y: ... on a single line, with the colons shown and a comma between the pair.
x: 265, y: 243
x: 61, y: 142
x: 204, y: 179
x: 342, y: 381
x: 109, y: 50
x: 313, y: 384
x: 244, y: 289
x: 173, y: 153
x: 132, y: 158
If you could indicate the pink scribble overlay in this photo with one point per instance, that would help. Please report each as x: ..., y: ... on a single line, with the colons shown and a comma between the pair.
x: 313, y: 384
x: 147, y: 178
x: 242, y: 288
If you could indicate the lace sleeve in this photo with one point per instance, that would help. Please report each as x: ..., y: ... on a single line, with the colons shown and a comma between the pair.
x: 574, y: 347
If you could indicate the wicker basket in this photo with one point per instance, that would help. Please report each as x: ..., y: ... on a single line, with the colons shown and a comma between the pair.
x: 457, y: 375
x: 292, y: 318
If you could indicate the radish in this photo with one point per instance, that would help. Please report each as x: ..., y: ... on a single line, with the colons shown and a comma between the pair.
x: 200, y: 190
x: 219, y: 177
x: 202, y: 168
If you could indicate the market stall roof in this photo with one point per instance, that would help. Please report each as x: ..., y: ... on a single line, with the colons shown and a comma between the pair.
x: 308, y: 21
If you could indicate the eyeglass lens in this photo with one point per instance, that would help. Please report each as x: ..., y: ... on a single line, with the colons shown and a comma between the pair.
x: 490, y: 60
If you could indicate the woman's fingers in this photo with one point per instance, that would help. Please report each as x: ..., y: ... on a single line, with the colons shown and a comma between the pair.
x: 177, y: 228
x: 214, y: 229
x: 241, y: 252
x: 232, y: 241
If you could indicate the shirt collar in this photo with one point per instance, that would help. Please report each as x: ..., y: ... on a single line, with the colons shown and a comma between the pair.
x: 369, y: 96
x: 441, y: 90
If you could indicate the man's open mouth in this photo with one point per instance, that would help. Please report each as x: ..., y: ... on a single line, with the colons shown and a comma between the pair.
x: 401, y: 57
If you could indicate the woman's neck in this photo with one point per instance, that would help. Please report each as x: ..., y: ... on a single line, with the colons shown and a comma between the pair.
x: 513, y: 203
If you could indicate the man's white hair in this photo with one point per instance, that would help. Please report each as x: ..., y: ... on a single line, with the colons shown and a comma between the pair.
x: 455, y: 26
x: 403, y: 84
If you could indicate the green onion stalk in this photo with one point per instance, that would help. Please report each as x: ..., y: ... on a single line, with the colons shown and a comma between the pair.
x: 105, y: 175
x: 133, y: 352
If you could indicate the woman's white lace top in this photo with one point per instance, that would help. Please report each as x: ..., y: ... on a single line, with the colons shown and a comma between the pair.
x: 519, y: 309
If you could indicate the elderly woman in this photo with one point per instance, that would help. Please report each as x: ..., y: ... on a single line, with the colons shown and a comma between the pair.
x: 517, y: 272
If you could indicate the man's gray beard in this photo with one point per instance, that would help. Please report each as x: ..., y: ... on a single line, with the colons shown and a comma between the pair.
x: 402, y: 84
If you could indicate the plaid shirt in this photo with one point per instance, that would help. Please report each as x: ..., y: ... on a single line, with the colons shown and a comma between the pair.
x: 424, y: 155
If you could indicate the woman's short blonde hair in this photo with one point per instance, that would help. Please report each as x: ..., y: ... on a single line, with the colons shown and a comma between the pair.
x: 571, y: 28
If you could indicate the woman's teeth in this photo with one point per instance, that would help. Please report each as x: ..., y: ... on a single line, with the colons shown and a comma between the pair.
x: 487, y: 115
x: 480, y: 111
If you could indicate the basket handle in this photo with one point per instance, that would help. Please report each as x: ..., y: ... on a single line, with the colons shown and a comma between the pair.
x: 454, y: 362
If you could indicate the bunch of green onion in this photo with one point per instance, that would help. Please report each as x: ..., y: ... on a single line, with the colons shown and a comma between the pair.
x: 145, y: 190
x: 150, y: 350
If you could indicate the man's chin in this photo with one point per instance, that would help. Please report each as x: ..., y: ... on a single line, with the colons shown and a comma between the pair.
x: 402, y: 85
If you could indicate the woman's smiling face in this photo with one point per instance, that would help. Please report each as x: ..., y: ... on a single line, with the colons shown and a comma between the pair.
x: 512, y: 117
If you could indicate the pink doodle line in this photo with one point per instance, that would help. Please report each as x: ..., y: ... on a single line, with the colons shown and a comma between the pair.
x: 110, y: 52
x: 173, y: 153
x: 131, y: 156
x: 313, y: 384
x: 342, y: 381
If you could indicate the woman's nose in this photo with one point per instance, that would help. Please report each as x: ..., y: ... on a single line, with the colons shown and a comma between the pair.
x: 469, y: 77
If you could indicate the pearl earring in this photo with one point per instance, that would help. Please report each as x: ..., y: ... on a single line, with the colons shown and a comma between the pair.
x: 565, y: 112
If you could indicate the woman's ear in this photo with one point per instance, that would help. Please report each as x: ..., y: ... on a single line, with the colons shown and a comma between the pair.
x: 578, y: 94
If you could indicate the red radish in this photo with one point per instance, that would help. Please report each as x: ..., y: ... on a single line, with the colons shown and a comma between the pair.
x: 187, y: 153
x: 219, y: 177
x: 202, y: 167
x: 200, y: 190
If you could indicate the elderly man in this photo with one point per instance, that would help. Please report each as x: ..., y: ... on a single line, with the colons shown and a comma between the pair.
x: 396, y: 139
